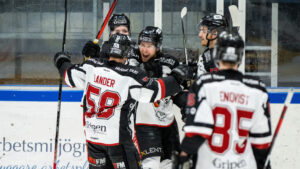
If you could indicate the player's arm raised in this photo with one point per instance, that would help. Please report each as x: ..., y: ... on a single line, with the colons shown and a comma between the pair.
x: 74, y: 75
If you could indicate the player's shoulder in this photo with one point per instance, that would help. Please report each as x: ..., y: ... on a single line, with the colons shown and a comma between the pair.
x: 254, y: 82
x: 209, y: 77
x: 95, y: 62
x: 129, y: 71
x: 168, y: 60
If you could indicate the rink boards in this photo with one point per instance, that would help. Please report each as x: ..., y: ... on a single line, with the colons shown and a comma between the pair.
x: 28, y: 121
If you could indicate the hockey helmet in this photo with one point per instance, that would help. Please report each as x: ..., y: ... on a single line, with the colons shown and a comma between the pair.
x: 214, y: 21
x: 117, y: 20
x: 151, y: 34
x: 119, y: 45
x: 229, y: 47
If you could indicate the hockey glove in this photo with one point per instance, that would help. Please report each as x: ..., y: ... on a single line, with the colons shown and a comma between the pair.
x: 60, y: 58
x: 90, y: 50
x: 181, y: 162
x: 153, y: 68
x: 182, y: 73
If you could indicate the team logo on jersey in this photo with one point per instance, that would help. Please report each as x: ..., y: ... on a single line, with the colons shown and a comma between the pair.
x: 191, y: 99
x: 160, y: 115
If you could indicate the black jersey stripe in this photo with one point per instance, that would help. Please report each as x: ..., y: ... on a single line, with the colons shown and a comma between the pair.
x: 260, y: 135
x: 79, y: 69
x: 203, y: 125
x: 70, y: 78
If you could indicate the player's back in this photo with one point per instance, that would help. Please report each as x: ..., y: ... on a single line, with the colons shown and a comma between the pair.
x: 109, y: 104
x: 231, y: 109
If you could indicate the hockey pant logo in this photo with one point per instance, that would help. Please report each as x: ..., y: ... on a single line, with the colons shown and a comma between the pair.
x: 119, y: 165
x: 97, y: 162
x: 151, y: 150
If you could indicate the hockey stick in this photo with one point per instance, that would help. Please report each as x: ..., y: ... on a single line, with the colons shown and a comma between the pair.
x: 105, y: 21
x: 277, y: 128
x: 59, y: 92
x: 182, y: 14
x: 235, y: 18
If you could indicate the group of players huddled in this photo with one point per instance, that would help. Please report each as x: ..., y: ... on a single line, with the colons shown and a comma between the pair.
x: 131, y: 88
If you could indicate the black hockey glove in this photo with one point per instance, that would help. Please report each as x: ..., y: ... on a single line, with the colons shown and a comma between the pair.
x: 60, y: 58
x: 181, y: 162
x: 91, y: 50
x: 193, y: 67
x: 153, y: 68
x: 182, y: 73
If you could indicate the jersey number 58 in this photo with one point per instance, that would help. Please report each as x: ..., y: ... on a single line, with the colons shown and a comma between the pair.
x: 108, y: 100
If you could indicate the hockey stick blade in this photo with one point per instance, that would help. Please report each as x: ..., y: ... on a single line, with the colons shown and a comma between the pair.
x: 183, y: 12
x: 235, y: 17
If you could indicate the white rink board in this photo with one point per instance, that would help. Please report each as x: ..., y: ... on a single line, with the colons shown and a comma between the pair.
x: 25, y: 126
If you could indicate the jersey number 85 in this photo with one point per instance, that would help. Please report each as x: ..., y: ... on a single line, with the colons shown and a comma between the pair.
x: 223, y: 129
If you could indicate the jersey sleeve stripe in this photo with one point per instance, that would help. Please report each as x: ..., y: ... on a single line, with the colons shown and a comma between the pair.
x: 197, y: 134
x: 203, y: 125
x: 66, y: 79
x: 198, y: 130
x: 163, y: 88
x: 260, y: 141
x: 260, y: 135
x: 69, y: 71
x: 261, y: 146
x: 81, y: 70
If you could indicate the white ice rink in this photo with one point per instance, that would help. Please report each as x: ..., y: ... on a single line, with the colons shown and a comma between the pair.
x: 28, y: 129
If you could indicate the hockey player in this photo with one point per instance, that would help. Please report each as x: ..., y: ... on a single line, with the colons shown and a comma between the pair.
x: 157, y: 131
x: 228, y: 123
x: 209, y: 27
x: 110, y: 90
x: 118, y: 23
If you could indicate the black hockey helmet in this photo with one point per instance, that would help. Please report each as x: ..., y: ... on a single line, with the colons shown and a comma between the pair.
x: 229, y: 47
x: 214, y: 21
x: 119, y: 45
x: 117, y: 20
x: 151, y: 34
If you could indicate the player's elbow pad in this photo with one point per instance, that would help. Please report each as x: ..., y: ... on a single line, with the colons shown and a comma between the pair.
x: 171, y: 86
x: 180, y: 99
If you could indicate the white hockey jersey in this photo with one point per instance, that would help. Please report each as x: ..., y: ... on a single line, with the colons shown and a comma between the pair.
x: 161, y: 113
x: 111, y: 90
x: 231, y: 111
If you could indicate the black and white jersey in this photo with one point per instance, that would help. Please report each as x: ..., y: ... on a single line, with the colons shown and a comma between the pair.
x: 231, y: 111
x: 111, y: 90
x: 206, y: 62
x: 160, y: 113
